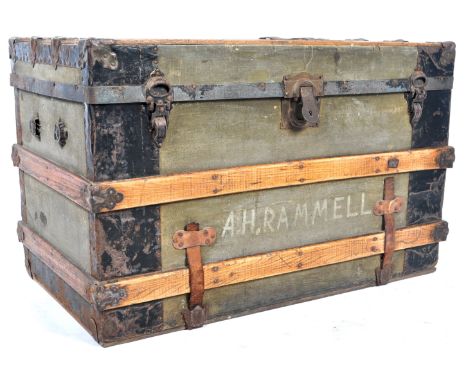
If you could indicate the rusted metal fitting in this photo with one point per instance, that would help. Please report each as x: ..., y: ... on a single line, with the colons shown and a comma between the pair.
x: 103, y: 198
x: 159, y: 96
x: 195, y: 317
x: 107, y: 297
x: 61, y: 133
x: 186, y: 239
x: 446, y: 158
x: 393, y: 163
x: 35, y: 126
x: 384, y: 274
x: 440, y: 232
x: 416, y: 96
x: 192, y: 239
x: 301, y: 106
x: 384, y: 207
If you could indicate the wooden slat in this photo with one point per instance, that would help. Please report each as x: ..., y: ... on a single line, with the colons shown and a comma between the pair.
x: 68, y: 272
x: 66, y: 183
x: 165, y: 189
x: 204, y: 184
x: 155, y: 286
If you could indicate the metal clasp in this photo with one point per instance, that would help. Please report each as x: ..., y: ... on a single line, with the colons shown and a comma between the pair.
x: 159, y: 97
x: 416, y: 96
x: 301, y: 106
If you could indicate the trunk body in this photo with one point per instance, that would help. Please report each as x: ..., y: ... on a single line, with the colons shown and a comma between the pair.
x: 83, y: 107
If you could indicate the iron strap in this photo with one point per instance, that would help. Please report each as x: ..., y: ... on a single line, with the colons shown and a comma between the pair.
x: 195, y: 93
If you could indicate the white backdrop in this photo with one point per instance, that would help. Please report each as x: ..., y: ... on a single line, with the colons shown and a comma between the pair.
x: 414, y: 329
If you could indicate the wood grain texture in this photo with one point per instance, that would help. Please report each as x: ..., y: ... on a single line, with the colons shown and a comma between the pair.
x: 162, y: 285
x: 204, y: 184
x: 71, y: 186
x: 67, y: 271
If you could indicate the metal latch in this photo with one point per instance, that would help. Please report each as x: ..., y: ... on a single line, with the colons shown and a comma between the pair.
x: 159, y: 97
x: 416, y: 96
x: 300, y: 107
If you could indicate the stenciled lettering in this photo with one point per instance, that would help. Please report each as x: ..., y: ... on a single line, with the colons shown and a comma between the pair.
x: 286, y: 216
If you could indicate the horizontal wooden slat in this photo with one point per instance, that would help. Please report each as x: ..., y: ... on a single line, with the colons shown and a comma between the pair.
x: 66, y: 183
x: 155, y: 286
x: 204, y: 184
x: 70, y: 273
x: 165, y: 189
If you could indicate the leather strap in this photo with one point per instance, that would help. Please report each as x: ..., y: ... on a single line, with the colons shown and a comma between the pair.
x: 191, y: 240
x: 387, y: 207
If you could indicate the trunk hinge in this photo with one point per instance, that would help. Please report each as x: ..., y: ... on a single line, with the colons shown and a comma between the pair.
x: 191, y: 240
x: 386, y: 208
x: 301, y: 106
x: 159, y: 97
x: 416, y: 96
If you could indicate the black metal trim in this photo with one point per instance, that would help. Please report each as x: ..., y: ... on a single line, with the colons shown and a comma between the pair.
x: 136, y: 93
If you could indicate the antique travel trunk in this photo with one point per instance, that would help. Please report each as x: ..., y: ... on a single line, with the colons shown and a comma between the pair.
x: 171, y: 183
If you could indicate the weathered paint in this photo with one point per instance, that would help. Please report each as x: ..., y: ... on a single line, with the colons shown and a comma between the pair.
x: 72, y: 156
x: 256, y: 222
x: 58, y: 220
x: 127, y: 242
x: 426, y: 188
x: 46, y: 72
x: 235, y: 299
x: 206, y: 64
x: 121, y: 142
x: 198, y: 139
x: 231, y: 133
x: 250, y: 133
